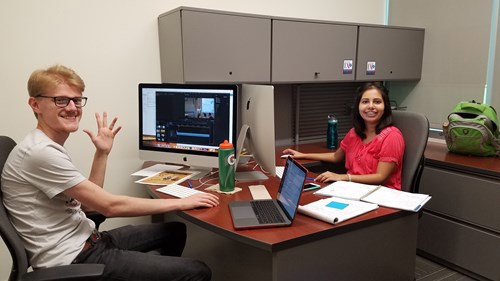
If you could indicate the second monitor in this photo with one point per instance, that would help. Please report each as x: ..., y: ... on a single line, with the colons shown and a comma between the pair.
x: 257, y: 130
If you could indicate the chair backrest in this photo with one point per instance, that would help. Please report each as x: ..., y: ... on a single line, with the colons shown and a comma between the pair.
x: 9, y: 235
x: 415, y: 129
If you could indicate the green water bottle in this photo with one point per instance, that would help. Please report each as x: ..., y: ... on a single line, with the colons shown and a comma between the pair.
x: 332, y: 135
x: 226, y: 166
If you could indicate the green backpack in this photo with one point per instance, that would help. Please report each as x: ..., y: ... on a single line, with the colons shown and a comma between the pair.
x: 472, y: 129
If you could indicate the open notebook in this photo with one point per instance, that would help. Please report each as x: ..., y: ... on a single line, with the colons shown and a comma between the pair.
x: 378, y: 194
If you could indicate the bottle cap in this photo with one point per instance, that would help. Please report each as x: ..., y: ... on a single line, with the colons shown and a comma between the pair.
x: 226, y: 144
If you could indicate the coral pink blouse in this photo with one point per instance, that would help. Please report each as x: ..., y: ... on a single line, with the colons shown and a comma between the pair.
x: 387, y: 146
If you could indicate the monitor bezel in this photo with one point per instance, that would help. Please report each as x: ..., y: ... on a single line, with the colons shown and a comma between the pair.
x: 178, y: 156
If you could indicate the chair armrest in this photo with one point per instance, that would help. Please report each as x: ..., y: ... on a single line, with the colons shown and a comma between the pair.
x: 67, y: 272
x: 96, y: 217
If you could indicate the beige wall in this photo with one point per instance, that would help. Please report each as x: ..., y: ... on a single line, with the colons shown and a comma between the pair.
x: 455, y: 63
x: 113, y: 45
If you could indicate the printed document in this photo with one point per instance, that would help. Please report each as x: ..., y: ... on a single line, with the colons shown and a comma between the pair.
x: 377, y: 194
x: 347, y: 190
x: 392, y: 198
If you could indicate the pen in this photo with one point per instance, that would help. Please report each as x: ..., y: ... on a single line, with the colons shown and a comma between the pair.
x: 310, y: 179
x: 312, y: 188
x: 190, y: 184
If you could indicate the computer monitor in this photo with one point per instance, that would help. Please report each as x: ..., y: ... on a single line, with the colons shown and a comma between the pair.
x: 185, y: 123
x: 257, y: 130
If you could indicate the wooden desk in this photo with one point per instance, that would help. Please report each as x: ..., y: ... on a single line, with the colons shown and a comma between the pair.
x: 437, y: 154
x: 379, y: 245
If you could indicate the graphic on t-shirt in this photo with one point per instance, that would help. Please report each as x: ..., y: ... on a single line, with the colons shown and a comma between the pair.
x: 73, y: 206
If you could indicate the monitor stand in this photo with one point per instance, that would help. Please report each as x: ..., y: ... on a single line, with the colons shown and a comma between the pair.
x: 245, y: 175
x: 250, y: 176
x: 200, y: 171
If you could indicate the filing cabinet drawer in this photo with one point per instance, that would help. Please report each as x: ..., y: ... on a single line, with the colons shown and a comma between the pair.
x: 472, y: 249
x: 463, y: 196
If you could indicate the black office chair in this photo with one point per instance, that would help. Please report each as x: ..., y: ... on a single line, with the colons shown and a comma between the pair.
x: 20, y: 264
x: 96, y: 217
x: 415, y: 129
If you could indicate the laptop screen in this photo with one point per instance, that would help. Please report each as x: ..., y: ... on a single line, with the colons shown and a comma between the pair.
x: 291, y: 186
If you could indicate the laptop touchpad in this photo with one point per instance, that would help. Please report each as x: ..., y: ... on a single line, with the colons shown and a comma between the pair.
x: 242, y: 212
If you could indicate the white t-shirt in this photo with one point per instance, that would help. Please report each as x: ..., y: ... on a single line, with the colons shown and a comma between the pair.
x: 52, y: 226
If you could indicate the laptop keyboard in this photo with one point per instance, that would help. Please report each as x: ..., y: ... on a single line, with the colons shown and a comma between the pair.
x: 266, y: 211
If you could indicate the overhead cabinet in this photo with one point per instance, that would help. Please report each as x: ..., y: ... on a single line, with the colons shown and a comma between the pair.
x: 389, y: 53
x: 200, y: 46
x: 311, y: 51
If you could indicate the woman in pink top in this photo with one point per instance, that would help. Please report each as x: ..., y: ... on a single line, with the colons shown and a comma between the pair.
x: 372, y: 150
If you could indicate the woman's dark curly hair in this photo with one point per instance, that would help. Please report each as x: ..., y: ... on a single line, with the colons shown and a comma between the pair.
x: 357, y: 120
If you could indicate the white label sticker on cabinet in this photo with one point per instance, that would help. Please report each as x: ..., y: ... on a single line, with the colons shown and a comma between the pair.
x: 370, y: 68
x: 347, y: 67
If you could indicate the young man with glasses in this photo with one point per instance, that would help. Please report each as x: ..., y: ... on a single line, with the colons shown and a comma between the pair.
x: 45, y: 195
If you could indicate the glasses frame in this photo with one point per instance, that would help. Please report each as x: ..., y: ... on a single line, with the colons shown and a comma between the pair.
x: 83, y: 100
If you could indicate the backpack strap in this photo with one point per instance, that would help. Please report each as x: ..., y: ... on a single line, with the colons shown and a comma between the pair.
x: 477, y: 106
x: 496, y: 144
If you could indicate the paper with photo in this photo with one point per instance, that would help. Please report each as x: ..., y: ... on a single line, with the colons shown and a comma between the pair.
x: 167, y: 177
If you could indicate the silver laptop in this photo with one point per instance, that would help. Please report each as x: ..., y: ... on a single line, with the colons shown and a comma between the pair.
x: 272, y: 213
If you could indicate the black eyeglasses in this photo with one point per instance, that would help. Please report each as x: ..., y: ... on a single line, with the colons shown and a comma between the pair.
x: 64, y: 101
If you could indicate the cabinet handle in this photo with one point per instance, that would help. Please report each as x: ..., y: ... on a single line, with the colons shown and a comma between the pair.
x: 230, y: 73
x: 316, y: 74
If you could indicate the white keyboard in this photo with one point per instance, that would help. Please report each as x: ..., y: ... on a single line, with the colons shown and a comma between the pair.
x: 178, y: 191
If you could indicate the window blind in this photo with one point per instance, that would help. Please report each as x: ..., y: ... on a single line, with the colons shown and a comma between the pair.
x: 314, y: 102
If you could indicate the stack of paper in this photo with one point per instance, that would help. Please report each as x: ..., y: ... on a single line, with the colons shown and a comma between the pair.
x: 397, y: 199
x: 347, y: 190
x: 349, y: 199
x: 377, y: 194
x: 161, y: 174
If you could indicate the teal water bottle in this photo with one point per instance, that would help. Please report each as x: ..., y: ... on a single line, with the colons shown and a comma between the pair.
x: 332, y: 135
x: 226, y: 166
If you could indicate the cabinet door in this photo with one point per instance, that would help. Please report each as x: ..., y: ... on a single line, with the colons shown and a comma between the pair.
x: 312, y: 52
x: 473, y: 249
x: 462, y: 196
x: 225, y: 48
x: 386, y: 53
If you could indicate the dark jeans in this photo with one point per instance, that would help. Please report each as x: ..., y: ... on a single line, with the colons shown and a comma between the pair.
x: 124, y: 251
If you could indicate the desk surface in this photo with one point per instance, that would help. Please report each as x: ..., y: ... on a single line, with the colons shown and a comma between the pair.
x: 435, y: 153
x: 304, y: 229
x: 439, y: 155
x: 306, y: 250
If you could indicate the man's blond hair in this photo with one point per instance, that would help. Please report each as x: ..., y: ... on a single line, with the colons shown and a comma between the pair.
x: 43, y: 81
